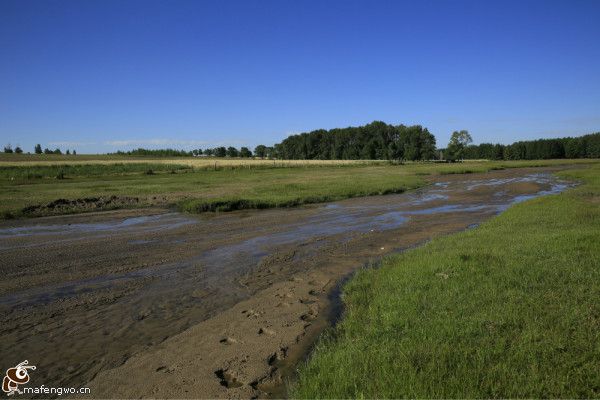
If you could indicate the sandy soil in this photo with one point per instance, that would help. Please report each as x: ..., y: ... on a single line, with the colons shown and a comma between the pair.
x: 146, y: 303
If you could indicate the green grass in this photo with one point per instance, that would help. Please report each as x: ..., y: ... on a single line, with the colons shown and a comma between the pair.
x: 30, y: 189
x: 221, y: 189
x: 509, y: 309
x: 67, y: 171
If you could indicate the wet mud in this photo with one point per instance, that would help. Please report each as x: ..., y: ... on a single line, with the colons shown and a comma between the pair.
x: 148, y: 303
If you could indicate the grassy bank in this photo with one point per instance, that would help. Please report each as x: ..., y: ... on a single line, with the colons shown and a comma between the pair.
x: 509, y: 309
x: 198, y: 190
x: 37, y: 189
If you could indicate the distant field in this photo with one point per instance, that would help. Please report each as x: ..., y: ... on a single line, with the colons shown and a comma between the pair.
x: 52, y: 185
x: 196, y: 162
x: 214, y: 162
x: 507, y: 310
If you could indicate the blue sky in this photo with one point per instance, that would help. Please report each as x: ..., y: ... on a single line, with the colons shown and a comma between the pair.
x: 105, y: 75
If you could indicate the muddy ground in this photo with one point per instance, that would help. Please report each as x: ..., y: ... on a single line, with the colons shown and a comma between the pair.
x: 151, y: 303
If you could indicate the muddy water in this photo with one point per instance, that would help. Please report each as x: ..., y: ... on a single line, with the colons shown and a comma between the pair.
x: 82, y: 294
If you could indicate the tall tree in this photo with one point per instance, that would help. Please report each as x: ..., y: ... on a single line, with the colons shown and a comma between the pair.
x: 232, y: 152
x: 38, y: 149
x: 260, y: 151
x: 245, y: 152
x: 458, y: 142
x: 220, y: 151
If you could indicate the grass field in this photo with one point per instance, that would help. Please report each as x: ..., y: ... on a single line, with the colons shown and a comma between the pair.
x: 45, y: 187
x: 507, y: 310
x: 196, y: 162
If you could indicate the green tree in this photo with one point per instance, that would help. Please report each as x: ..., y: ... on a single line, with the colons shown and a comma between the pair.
x: 376, y: 140
x: 47, y: 151
x: 220, y: 151
x: 38, y: 149
x: 498, y: 152
x: 260, y: 151
x: 245, y: 152
x: 208, y: 152
x: 456, y: 147
x: 57, y: 151
x: 232, y: 152
x: 8, y: 148
x: 18, y: 150
x: 157, y: 152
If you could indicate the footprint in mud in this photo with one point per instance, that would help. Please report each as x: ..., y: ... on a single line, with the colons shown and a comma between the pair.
x: 286, y: 295
x: 310, y: 315
x: 267, y: 383
x: 315, y: 282
x: 228, y: 379
x: 143, y: 314
x: 307, y: 317
x: 279, y: 355
x: 266, y: 331
x: 251, y: 313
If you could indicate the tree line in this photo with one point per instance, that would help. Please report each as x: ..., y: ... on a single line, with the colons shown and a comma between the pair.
x: 381, y: 141
x: 37, y: 150
x: 587, y: 146
x: 374, y: 141
x: 220, y: 151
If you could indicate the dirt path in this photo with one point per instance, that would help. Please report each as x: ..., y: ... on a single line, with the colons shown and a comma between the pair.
x: 154, y: 304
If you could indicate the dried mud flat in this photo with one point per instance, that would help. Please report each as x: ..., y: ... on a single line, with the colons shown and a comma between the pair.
x: 146, y: 303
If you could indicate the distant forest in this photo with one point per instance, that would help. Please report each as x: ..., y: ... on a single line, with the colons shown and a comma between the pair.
x: 375, y: 141
x: 381, y: 141
x: 587, y: 146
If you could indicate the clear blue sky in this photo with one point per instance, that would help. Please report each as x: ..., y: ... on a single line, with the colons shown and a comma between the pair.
x: 102, y: 75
